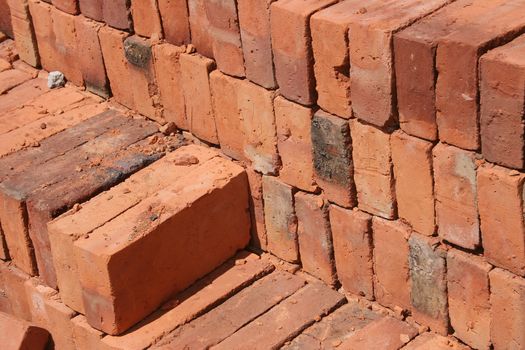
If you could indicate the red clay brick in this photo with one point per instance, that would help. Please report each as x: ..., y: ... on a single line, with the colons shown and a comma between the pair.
x: 500, y: 201
x: 259, y: 128
x: 435, y: 342
x: 468, y: 298
x: 146, y: 18
x: 5, y: 23
x: 14, y: 288
x: 412, y: 160
x: 428, y: 282
x: 117, y: 14
x: 175, y: 21
x: 455, y: 191
x: 315, y: 239
x: 372, y: 59
x: 373, y: 173
x: 234, y: 313
x: 258, y: 229
x: 23, y: 32
x: 197, y: 96
x: 69, y: 6
x: 4, y: 65
x: 85, y: 336
x: 5, y: 303
x: 386, y: 333
x: 12, y: 78
x: 22, y: 93
x: 92, y: 9
x: 90, y: 58
x: 507, y: 300
x: 201, y: 36
x: 286, y: 320
x: 352, y: 235
x: 280, y: 219
x: 66, y: 229
x: 169, y: 80
x: 291, y: 44
x: 502, y: 100
x: 224, y: 230
x: 254, y: 20
x: 391, y: 279
x: 457, y: 91
x: 18, y: 334
x: 226, y: 36
x: 224, y: 94
x: 294, y: 141
x: 332, y: 156
x: 225, y: 281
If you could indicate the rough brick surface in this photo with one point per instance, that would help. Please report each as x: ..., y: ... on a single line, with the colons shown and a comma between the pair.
x: 469, y: 298
x: 507, y: 309
x: 201, y: 36
x: 117, y: 14
x: 17, y: 334
x: 295, y: 143
x: 332, y: 156
x: 315, y: 238
x: 85, y: 336
x: 436, y: 342
x: 258, y: 227
x: 69, y: 6
x: 500, y: 201
x: 175, y: 21
x: 292, y: 51
x: 502, y: 101
x: 456, y: 192
x: 23, y: 32
x: 92, y: 9
x: 391, y: 279
x: 412, y: 159
x: 5, y: 24
x: 280, y: 219
x: 146, y: 18
x: 352, y: 235
x: 13, y: 281
x: 373, y: 172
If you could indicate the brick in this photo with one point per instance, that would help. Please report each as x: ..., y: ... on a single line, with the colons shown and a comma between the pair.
x: 427, y: 262
x: 507, y: 310
x: 315, y: 239
x: 502, y: 99
x: 169, y: 81
x: 146, y: 18
x: 5, y: 65
x: 18, y: 334
x: 414, y: 183
x: 197, y: 96
x: 291, y: 45
x: 259, y: 128
x: 85, y: 336
x: 175, y: 21
x: 117, y: 14
x: 23, y: 32
x: 112, y: 45
x: 224, y: 93
x: 92, y: 9
x: 332, y: 156
x: 352, y: 235
x: 254, y: 20
x: 69, y: 6
x: 434, y: 341
x: 22, y: 93
x: 90, y: 60
x: 27, y: 205
x: 455, y: 191
x: 280, y: 219
x: 5, y: 303
x: 234, y: 313
x: 457, y: 86
x: 373, y: 171
x: 415, y: 52
x: 287, y: 319
x: 226, y: 36
x: 392, y: 273
x: 500, y: 201
x: 208, y: 292
x: 334, y: 328
x: 12, y: 78
x: 14, y: 288
x: 201, y: 36
x: 67, y: 228
x: 8, y: 50
x: 4, y: 251
x: 371, y: 57
x: 294, y: 141
x: 225, y: 229
x: 5, y: 24
x: 258, y: 229
x: 469, y: 298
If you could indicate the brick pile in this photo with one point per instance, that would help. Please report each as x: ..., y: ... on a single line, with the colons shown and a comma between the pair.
x: 383, y: 141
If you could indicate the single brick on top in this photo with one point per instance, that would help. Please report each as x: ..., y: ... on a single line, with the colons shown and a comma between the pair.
x: 502, y: 100
x: 146, y: 18
x: 175, y: 21
x: 292, y: 47
x: 69, y: 6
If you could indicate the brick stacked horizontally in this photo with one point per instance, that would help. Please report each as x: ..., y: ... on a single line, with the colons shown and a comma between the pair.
x: 383, y: 140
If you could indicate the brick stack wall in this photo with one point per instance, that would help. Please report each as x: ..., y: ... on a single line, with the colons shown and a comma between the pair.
x: 383, y: 141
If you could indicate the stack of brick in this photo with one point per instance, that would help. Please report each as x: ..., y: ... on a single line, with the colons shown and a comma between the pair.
x: 383, y: 141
